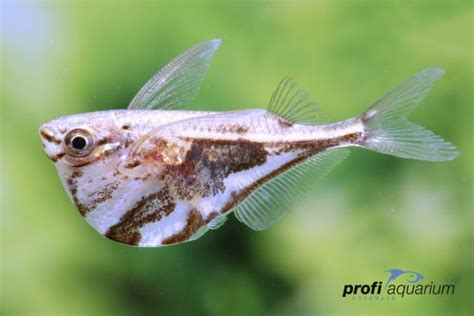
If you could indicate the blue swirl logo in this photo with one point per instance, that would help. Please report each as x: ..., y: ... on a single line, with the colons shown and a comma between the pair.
x: 408, y: 276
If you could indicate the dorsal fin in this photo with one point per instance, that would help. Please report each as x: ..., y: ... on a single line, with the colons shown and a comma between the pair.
x: 272, y: 200
x: 293, y: 104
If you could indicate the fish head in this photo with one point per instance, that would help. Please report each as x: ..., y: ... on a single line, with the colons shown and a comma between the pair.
x: 80, y: 140
x: 90, y: 152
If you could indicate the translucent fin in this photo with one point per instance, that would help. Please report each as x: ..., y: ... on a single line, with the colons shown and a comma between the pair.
x: 178, y: 82
x: 389, y: 131
x: 274, y: 199
x: 201, y: 231
x: 217, y: 222
x: 292, y: 103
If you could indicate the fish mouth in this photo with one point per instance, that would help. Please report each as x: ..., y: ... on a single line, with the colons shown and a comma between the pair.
x: 49, y: 135
x: 51, y: 143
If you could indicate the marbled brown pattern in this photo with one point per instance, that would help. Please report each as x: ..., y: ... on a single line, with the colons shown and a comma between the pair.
x: 72, y: 183
x: 149, y: 209
x: 208, y: 162
x: 194, y: 221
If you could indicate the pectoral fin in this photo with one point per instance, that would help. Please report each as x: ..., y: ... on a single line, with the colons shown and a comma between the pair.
x: 178, y: 82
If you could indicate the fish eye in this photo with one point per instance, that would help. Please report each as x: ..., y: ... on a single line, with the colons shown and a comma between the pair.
x: 79, y: 142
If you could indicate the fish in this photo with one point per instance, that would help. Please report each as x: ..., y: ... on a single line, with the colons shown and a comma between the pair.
x: 159, y: 173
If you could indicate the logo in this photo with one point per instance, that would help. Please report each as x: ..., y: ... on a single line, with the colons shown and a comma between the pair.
x: 400, y: 284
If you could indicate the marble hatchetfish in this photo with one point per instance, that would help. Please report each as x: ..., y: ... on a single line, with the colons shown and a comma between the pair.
x: 159, y: 173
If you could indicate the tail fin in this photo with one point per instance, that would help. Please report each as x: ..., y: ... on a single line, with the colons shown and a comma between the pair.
x: 388, y: 130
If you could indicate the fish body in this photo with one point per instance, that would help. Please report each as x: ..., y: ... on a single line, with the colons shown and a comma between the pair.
x: 155, y: 175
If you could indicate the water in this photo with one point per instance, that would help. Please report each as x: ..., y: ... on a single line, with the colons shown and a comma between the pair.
x: 370, y: 214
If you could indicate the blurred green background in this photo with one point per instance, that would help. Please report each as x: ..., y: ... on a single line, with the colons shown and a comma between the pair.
x: 372, y: 213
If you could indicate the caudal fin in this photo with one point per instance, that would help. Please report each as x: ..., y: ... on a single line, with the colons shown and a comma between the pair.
x: 388, y: 130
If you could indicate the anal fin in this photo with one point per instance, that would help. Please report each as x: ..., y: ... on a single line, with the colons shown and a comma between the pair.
x: 274, y: 199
